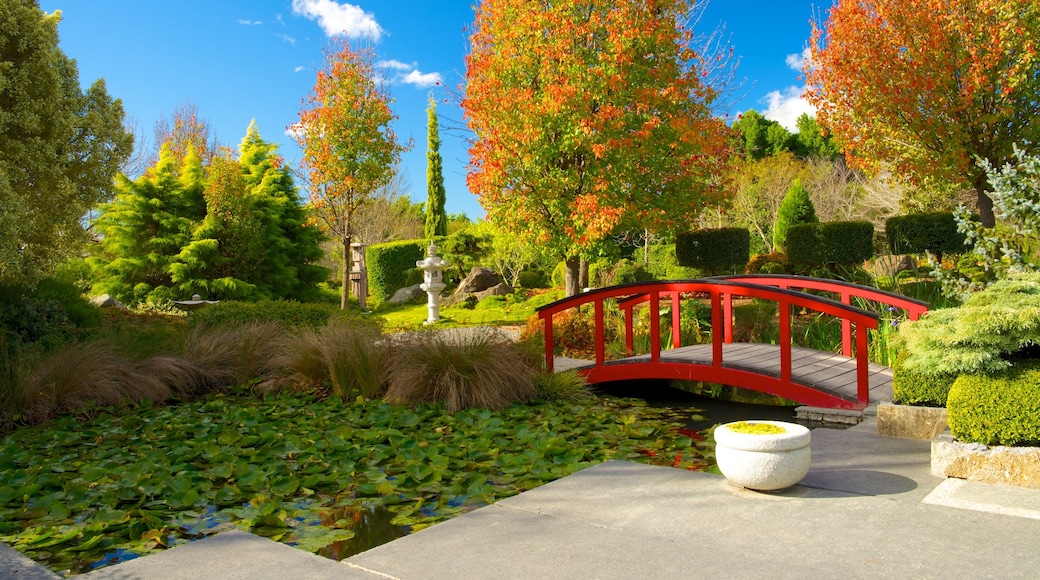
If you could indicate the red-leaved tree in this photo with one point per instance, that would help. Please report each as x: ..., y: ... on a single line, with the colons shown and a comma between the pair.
x: 590, y: 118
x: 929, y: 87
x: 349, y: 147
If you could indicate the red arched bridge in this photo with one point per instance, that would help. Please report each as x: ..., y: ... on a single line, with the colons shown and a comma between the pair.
x: 845, y: 380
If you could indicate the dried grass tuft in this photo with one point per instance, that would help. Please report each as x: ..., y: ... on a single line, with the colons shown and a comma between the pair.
x: 459, y: 369
x: 351, y: 358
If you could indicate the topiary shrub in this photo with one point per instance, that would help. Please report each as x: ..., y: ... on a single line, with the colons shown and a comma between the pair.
x: 718, y: 250
x: 918, y: 233
x: 913, y: 387
x: 776, y: 262
x: 1002, y: 409
x: 822, y: 244
x: 795, y: 209
x: 389, y: 266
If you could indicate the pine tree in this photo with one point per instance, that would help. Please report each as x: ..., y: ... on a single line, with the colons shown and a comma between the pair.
x: 796, y: 209
x: 436, y: 219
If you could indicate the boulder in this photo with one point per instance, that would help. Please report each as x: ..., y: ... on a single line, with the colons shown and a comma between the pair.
x: 497, y: 290
x: 478, y: 280
x: 106, y: 301
x: 407, y: 294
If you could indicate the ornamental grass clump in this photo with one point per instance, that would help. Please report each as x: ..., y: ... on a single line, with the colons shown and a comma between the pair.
x: 347, y: 357
x: 568, y: 386
x: 459, y: 369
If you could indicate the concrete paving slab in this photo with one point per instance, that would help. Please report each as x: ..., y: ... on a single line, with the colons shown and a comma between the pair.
x: 234, y: 555
x: 987, y: 497
x: 17, y: 566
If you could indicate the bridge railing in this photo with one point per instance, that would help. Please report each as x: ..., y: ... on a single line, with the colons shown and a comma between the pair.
x: 845, y: 290
x: 720, y: 293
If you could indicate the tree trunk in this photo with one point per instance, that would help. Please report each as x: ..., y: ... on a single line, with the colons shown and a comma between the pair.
x: 571, y: 280
x: 344, y: 270
x: 985, y: 202
x: 583, y: 274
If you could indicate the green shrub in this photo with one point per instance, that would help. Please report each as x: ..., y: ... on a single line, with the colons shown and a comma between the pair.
x: 795, y: 209
x: 821, y: 244
x: 1002, y: 409
x: 924, y: 232
x: 559, y: 275
x: 771, y: 263
x: 719, y: 250
x: 623, y: 272
x: 51, y: 313
x: 910, y: 387
x: 462, y: 250
x: 389, y: 266
x: 532, y: 279
x: 979, y: 336
x: 290, y: 314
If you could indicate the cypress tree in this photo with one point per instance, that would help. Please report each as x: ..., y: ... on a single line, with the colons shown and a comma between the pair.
x: 436, y: 219
x: 796, y: 208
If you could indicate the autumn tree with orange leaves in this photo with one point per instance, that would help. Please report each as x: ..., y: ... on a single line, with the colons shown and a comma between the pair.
x: 929, y: 87
x: 349, y: 147
x: 590, y: 118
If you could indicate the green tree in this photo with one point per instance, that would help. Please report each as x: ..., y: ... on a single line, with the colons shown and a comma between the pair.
x: 761, y: 136
x: 59, y: 146
x: 349, y: 147
x: 590, y: 117
x: 145, y: 227
x: 796, y: 209
x: 811, y: 142
x: 436, y: 219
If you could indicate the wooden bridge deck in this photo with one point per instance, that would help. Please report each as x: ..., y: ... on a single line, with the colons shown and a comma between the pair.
x: 825, y: 371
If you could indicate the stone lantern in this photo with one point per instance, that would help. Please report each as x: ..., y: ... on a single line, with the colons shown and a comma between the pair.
x: 433, y: 282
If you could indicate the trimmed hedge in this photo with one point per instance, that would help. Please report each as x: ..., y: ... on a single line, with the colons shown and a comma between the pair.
x: 924, y: 232
x: 820, y: 244
x: 916, y: 388
x: 389, y: 265
x: 1001, y: 409
x: 714, y: 250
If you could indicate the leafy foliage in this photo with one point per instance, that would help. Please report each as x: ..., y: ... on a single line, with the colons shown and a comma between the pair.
x: 270, y: 475
x: 928, y: 86
x: 59, y: 146
x: 919, y: 387
x: 771, y: 263
x: 589, y: 117
x: 795, y: 209
x: 1003, y: 409
x: 349, y: 147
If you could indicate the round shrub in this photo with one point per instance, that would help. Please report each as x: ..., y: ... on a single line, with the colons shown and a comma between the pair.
x: 623, y: 272
x: 531, y: 279
x: 1001, y: 409
x: 776, y: 261
x: 718, y: 250
x: 559, y: 275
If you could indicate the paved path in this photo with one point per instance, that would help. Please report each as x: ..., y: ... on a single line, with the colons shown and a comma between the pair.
x: 868, y: 509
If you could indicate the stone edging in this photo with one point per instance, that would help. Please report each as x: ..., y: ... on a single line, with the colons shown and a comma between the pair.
x: 910, y: 422
x: 997, y: 464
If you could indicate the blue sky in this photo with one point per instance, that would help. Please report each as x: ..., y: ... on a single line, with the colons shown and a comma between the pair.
x: 243, y: 60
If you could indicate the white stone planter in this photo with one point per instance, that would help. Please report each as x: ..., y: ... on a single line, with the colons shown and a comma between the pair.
x: 763, y: 462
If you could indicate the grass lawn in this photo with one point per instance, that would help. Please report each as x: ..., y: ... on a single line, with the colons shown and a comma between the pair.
x: 512, y: 310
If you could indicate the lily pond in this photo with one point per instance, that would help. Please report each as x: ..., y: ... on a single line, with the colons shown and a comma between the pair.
x: 325, y: 475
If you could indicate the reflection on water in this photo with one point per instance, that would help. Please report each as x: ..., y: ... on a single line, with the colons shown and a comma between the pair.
x: 371, y: 526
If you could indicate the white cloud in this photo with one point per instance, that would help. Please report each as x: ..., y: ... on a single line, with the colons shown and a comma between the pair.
x: 797, y: 61
x: 287, y: 38
x: 335, y: 18
x: 250, y: 22
x: 298, y: 69
x: 396, y: 65
x: 786, y: 106
x: 294, y: 131
x: 421, y: 80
